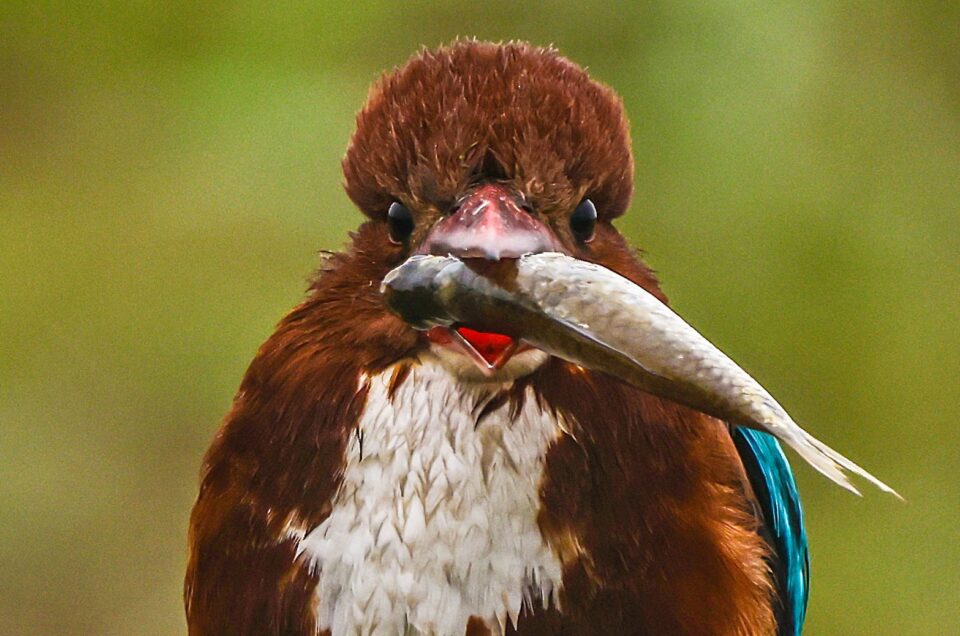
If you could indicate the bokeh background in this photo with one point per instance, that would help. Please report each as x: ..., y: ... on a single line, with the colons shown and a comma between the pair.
x: 169, y: 170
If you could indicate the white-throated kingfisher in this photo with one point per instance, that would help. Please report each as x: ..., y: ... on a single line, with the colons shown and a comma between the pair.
x: 374, y: 479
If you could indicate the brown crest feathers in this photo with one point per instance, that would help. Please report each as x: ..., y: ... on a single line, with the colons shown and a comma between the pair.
x: 511, y: 112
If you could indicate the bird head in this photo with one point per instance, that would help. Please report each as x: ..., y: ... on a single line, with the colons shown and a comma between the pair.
x: 488, y: 152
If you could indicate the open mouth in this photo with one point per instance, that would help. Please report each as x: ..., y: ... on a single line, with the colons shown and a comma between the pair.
x: 489, y: 351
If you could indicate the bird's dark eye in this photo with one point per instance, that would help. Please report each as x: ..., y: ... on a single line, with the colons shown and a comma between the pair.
x: 583, y: 221
x: 400, y: 222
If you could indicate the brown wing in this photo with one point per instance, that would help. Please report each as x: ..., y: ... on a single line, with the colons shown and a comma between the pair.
x: 644, y: 502
x: 276, y: 462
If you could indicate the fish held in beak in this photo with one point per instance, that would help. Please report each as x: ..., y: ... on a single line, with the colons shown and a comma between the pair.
x: 595, y: 318
x: 489, y: 228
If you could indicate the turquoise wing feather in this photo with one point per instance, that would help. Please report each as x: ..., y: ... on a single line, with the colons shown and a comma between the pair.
x: 779, y: 501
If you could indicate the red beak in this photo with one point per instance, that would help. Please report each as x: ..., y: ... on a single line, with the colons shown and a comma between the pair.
x: 488, y: 224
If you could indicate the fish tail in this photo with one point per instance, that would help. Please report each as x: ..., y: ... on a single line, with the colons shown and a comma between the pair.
x: 832, y: 464
x: 850, y: 465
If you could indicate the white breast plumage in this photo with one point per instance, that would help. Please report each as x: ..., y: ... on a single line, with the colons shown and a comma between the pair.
x: 436, y: 518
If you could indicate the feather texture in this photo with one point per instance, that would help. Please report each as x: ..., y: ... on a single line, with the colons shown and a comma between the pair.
x: 641, y: 500
x: 776, y: 491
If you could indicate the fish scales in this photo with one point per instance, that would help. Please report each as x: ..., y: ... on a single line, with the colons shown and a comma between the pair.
x: 591, y: 316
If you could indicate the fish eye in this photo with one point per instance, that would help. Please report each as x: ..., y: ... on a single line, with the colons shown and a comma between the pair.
x: 399, y: 222
x: 583, y: 221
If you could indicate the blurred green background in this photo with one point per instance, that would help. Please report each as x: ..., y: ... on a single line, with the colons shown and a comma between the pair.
x: 168, y: 171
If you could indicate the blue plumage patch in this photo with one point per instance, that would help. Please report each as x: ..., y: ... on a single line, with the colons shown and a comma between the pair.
x: 776, y: 491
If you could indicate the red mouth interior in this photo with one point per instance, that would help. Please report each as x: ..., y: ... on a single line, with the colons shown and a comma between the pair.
x: 489, y: 345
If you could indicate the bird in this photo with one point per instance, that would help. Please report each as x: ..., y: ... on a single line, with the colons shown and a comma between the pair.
x: 371, y: 478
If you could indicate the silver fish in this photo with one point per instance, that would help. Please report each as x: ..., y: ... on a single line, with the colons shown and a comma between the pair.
x: 595, y: 318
